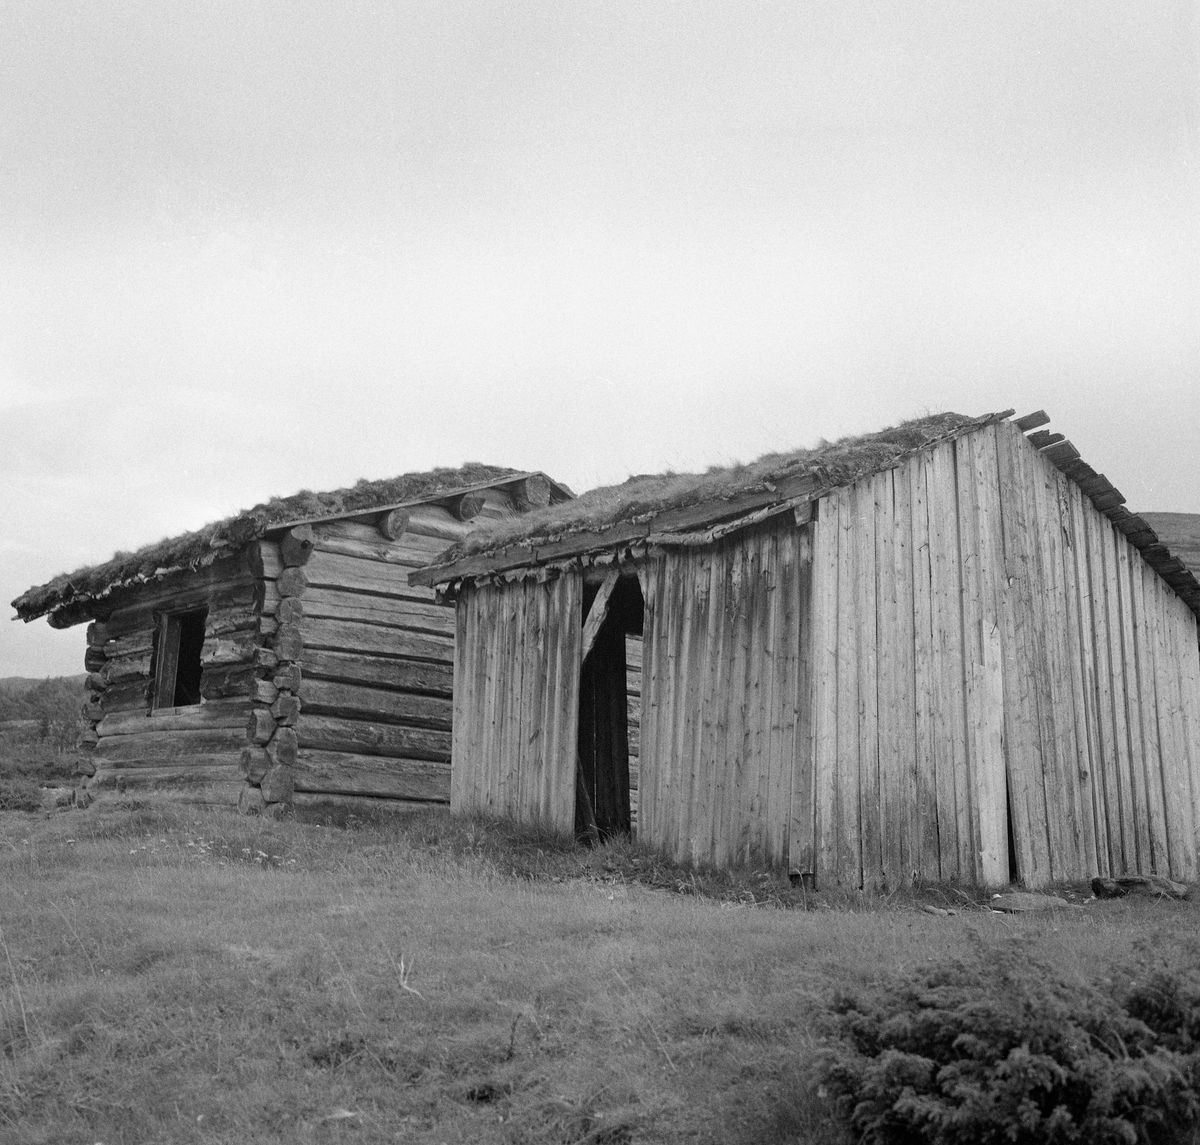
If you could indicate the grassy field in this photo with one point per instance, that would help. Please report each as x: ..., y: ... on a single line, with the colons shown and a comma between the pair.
x: 171, y: 974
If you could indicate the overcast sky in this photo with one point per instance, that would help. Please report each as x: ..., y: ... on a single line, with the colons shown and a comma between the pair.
x: 251, y: 247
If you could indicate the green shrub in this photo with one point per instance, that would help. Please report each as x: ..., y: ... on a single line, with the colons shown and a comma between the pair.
x: 1004, y: 1050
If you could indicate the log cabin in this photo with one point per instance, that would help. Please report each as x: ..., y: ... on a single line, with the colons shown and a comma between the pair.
x: 943, y: 652
x: 281, y: 656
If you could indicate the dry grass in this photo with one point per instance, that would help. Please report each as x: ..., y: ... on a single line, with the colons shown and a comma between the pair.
x: 172, y: 975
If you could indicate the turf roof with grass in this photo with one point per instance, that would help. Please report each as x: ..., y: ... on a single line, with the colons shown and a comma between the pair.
x: 228, y: 536
x: 647, y: 495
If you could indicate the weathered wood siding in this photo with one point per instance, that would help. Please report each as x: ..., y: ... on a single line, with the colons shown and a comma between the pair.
x: 516, y: 699
x: 376, y: 668
x: 174, y: 746
x: 721, y: 690
x: 986, y: 643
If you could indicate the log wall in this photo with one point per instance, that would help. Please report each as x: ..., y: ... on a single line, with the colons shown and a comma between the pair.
x: 987, y: 644
x: 134, y: 745
x: 516, y: 699
x: 724, y: 668
x: 375, y: 659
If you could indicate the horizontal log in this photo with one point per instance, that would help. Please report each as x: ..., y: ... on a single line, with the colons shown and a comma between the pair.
x: 127, y: 668
x: 227, y: 621
x: 227, y: 584
x: 380, y: 549
x: 354, y: 574
x: 132, y: 644
x: 219, y: 714
x: 97, y: 634
x: 352, y: 636
x: 329, y: 698
x: 420, y: 615
x: 126, y: 696
x: 95, y: 682
x: 345, y: 773
x: 224, y: 650
x: 229, y: 680
x: 332, y: 733
x: 296, y: 546
x: 94, y: 658
x: 160, y: 746
x: 255, y: 763
x: 379, y: 671
x: 318, y: 806
x: 492, y: 503
x: 266, y: 659
x: 218, y: 768
x: 429, y: 521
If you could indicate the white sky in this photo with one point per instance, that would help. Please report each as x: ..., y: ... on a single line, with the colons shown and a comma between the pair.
x: 252, y: 247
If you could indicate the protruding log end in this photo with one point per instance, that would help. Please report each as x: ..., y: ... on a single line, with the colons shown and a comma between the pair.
x: 261, y: 726
x: 485, y: 503
x: 291, y: 582
x: 296, y: 546
x: 533, y: 493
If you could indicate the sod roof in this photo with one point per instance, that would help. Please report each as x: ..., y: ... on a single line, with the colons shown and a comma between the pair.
x: 228, y: 536
x: 645, y: 496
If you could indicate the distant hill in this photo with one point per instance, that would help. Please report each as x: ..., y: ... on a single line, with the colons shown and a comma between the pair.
x: 19, y: 685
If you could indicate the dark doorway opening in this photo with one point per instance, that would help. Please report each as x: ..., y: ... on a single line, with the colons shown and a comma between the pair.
x: 602, y: 786
x: 180, y: 643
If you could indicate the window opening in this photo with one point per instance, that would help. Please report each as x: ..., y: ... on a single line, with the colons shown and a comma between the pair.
x: 180, y: 643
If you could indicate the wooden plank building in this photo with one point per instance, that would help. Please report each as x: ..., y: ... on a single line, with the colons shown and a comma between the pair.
x: 282, y: 655
x: 941, y: 652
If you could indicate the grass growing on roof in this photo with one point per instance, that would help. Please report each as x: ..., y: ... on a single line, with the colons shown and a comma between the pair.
x: 836, y: 463
x: 227, y: 536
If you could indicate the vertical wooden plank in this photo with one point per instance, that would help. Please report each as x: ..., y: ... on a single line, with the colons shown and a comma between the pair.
x: 1177, y: 696
x: 751, y: 788
x: 1118, y: 606
x: 891, y: 770
x: 785, y: 698
x: 460, y: 702
x: 1096, y: 535
x: 1064, y: 804
x: 715, y: 701
x: 1183, y: 627
x: 975, y: 694
x: 1088, y: 654
x: 802, y: 841
x: 539, y: 661
x: 825, y: 672
x: 737, y: 639
x: 652, y: 689
x: 847, y: 781
x: 927, y: 851
x: 950, y: 713
x: 901, y: 699
x: 868, y: 688
x: 1049, y: 783
x: 764, y: 845
x: 1022, y: 729
x: 699, y: 767
x: 570, y: 584
x: 1153, y: 831
x: 1082, y: 693
x: 1131, y: 685
x: 988, y: 671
